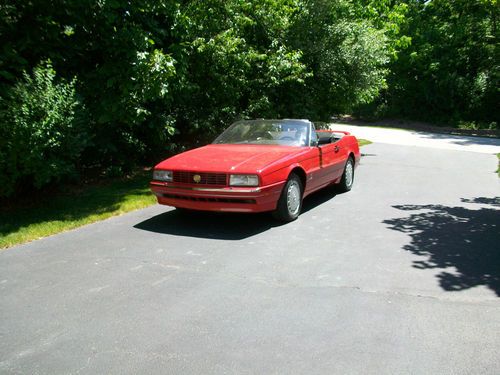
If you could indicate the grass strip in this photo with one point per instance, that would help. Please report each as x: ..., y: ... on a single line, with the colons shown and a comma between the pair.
x: 364, y: 142
x: 498, y: 169
x: 55, y: 214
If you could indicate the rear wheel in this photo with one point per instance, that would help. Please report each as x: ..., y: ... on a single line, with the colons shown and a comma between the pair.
x: 347, y: 177
x: 290, y: 202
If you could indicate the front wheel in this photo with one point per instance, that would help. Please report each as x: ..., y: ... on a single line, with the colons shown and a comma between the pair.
x: 290, y: 202
x: 347, y: 177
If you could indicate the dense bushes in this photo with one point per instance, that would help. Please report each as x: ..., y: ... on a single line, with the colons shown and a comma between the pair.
x: 153, y: 76
x: 345, y: 56
x: 449, y: 73
x: 42, y: 133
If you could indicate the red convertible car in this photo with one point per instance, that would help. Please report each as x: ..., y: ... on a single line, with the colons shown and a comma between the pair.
x: 256, y: 166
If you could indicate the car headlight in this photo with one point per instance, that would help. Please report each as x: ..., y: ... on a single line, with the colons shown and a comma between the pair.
x: 162, y: 175
x: 243, y: 180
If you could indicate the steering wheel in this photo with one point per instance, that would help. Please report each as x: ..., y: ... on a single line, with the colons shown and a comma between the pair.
x: 287, y: 138
x: 266, y: 135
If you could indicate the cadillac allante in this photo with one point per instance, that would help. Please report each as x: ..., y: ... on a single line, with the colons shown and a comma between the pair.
x: 257, y: 166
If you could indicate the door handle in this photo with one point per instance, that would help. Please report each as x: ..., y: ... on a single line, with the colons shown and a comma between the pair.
x: 336, y: 149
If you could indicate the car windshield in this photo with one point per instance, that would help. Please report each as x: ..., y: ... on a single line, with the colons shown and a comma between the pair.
x: 268, y: 132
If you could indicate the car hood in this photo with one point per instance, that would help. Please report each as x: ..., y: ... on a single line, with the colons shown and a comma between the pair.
x: 230, y: 158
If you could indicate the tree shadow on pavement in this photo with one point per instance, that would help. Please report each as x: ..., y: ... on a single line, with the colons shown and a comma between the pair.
x: 222, y: 226
x: 459, y: 237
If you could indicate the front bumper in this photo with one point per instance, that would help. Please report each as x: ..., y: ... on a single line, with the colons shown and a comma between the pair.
x: 228, y: 199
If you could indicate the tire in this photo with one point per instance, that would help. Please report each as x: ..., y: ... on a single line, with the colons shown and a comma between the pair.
x: 290, y: 201
x: 347, y: 179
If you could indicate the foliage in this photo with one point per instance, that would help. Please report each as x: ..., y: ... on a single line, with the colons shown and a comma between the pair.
x: 450, y: 72
x: 154, y: 77
x: 41, y: 131
x: 345, y: 54
x: 236, y: 57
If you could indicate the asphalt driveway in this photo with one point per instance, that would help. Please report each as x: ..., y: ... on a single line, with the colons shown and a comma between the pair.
x: 399, y: 276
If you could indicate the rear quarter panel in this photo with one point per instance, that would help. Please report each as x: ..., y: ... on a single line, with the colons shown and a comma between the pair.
x: 352, y: 147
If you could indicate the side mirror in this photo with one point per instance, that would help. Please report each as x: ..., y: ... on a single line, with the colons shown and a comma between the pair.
x: 314, y: 143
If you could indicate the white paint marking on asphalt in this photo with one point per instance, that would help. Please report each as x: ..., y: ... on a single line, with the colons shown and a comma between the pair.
x: 170, y: 266
x: 98, y: 289
x: 162, y: 280
x: 190, y: 252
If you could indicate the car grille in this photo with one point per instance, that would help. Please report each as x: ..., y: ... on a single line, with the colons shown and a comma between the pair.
x: 185, y: 177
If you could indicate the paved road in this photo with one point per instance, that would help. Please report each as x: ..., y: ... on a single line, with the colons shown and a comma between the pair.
x: 423, y: 139
x: 399, y: 276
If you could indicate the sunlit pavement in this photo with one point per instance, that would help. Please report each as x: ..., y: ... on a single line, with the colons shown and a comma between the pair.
x: 399, y: 276
x: 423, y: 139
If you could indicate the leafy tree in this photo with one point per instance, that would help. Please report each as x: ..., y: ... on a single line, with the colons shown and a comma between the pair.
x: 112, y: 48
x: 154, y: 76
x: 450, y: 71
x: 235, y: 58
x: 346, y: 55
x: 41, y: 131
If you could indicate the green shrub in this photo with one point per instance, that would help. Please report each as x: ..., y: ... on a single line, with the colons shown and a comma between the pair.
x: 42, y: 131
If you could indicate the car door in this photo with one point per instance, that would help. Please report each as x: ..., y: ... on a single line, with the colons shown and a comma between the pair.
x: 334, y: 157
x: 321, y: 161
x: 324, y: 163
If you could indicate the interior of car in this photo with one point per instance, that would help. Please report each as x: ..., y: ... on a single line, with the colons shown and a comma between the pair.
x: 328, y: 137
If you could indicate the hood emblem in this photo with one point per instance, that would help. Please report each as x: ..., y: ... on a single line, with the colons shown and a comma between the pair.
x: 197, y: 178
